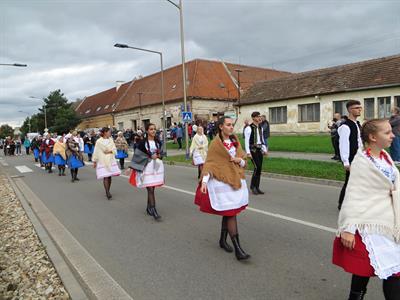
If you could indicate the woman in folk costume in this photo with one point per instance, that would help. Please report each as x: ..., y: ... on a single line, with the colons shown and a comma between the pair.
x: 104, y: 160
x: 35, y: 146
x: 148, y: 168
x: 223, y: 189
x: 368, y: 242
x: 89, y: 141
x: 47, y: 153
x: 60, y: 158
x: 199, y: 148
x: 74, y: 157
x: 122, y: 149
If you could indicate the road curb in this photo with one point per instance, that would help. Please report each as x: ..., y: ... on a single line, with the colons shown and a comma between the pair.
x: 328, y: 182
x: 86, y: 278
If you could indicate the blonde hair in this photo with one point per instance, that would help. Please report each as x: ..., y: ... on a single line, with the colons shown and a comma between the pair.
x: 370, y: 127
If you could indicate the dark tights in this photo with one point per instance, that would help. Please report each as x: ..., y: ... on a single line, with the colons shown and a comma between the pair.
x: 151, y: 199
x: 391, y: 286
x: 61, y: 169
x: 107, y: 184
x: 122, y: 162
x: 230, y: 224
x: 74, y: 173
x: 200, y: 169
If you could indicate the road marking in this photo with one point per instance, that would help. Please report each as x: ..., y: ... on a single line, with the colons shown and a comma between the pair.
x: 266, y: 213
x: 23, y: 169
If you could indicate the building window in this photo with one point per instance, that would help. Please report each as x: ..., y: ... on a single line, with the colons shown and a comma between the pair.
x: 397, y: 101
x: 278, y: 115
x: 88, y: 111
x: 384, y: 107
x: 121, y: 126
x: 107, y: 106
x: 369, y: 108
x: 169, y: 122
x: 309, y: 112
x: 134, y: 125
x: 145, y: 122
x: 340, y: 107
x: 98, y: 108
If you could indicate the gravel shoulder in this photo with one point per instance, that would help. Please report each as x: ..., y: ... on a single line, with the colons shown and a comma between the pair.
x: 26, y: 271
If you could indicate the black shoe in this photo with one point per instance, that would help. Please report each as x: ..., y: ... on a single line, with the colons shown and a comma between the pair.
x: 239, y: 252
x: 149, y: 211
x: 50, y: 171
x: 260, y: 191
x: 76, y: 179
x: 222, y: 241
x: 72, y: 180
x: 357, y: 295
x: 254, y: 191
x: 109, y: 196
x: 333, y: 157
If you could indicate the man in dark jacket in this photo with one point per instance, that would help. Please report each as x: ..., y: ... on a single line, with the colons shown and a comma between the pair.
x: 265, y: 128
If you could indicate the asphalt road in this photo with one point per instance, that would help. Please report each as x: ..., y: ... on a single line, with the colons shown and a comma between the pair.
x: 288, y: 232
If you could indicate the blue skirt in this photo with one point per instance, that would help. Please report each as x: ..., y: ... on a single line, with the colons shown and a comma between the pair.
x: 46, y: 160
x: 36, y: 153
x: 59, y: 160
x: 121, y: 154
x: 74, y: 163
x: 88, y: 150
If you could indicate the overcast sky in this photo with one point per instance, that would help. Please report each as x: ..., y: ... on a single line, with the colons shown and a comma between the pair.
x: 68, y: 45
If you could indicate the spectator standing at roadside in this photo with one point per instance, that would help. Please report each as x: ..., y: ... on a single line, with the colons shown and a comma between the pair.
x: 266, y: 129
x: 179, y: 136
x: 333, y: 127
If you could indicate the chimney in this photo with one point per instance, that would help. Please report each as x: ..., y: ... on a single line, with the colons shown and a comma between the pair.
x: 118, y: 84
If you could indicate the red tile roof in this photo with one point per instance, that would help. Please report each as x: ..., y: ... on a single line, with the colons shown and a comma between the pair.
x: 368, y: 74
x: 206, y: 80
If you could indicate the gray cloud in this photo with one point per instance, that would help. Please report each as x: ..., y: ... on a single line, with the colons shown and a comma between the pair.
x: 69, y: 44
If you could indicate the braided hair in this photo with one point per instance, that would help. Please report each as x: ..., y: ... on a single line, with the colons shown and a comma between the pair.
x: 232, y: 137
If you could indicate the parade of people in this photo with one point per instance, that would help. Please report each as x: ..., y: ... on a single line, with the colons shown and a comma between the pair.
x: 60, y: 158
x: 199, y: 148
x: 74, y: 155
x: 122, y: 149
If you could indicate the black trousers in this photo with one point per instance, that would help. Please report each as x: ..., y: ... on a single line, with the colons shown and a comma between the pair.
x: 257, y: 159
x: 343, y: 191
x: 335, y: 145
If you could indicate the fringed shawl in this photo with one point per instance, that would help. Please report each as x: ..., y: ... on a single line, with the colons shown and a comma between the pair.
x: 372, y: 201
x: 59, y: 148
x: 219, y: 166
x: 99, y: 154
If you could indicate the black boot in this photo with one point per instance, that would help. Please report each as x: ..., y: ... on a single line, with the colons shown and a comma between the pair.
x: 260, y: 191
x: 154, y: 213
x: 222, y: 241
x: 254, y: 190
x: 239, y: 252
x: 357, y: 295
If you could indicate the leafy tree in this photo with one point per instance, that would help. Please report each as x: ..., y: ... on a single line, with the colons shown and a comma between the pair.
x: 66, y: 119
x: 6, y: 130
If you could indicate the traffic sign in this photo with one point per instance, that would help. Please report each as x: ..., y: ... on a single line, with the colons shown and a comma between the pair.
x: 186, y: 116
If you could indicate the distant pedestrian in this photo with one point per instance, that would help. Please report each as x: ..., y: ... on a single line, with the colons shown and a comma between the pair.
x: 147, y: 168
x: 368, y: 239
x: 104, y: 160
x: 265, y: 129
x: 223, y: 189
x: 198, y: 149
x: 27, y: 145
x: 18, y: 146
x: 179, y: 136
x: 395, y: 146
x: 333, y: 129
x: 122, y: 149
x: 89, y: 142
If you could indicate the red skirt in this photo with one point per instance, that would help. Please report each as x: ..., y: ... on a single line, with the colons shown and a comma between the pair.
x: 203, y: 201
x: 355, y: 261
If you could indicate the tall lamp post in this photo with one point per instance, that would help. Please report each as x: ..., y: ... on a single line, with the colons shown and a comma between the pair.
x: 14, y: 65
x: 29, y: 118
x: 45, y: 113
x: 180, y: 8
x: 162, y: 88
x: 238, y: 71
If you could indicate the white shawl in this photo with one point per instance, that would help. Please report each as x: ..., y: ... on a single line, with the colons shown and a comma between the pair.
x: 197, y: 145
x: 99, y: 155
x: 372, y: 201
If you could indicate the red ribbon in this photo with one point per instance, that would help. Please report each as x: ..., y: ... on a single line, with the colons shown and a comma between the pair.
x: 382, y: 154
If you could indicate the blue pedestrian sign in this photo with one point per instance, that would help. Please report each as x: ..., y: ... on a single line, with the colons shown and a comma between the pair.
x: 186, y: 116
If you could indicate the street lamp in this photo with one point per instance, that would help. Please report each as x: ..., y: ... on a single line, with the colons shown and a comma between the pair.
x: 162, y: 88
x: 180, y: 8
x: 14, y: 65
x: 45, y: 113
x: 29, y: 118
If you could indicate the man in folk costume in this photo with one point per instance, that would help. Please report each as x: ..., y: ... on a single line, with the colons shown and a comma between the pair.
x: 349, y: 141
x: 368, y: 236
x: 223, y: 189
x: 255, y: 149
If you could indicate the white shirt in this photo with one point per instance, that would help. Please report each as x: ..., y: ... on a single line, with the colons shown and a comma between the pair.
x: 247, y: 134
x: 344, y: 143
